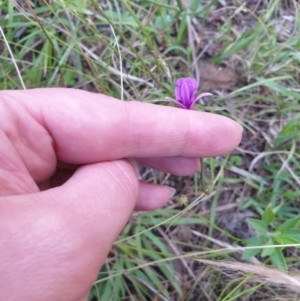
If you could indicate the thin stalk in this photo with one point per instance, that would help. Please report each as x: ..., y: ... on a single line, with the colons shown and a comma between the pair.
x: 13, y: 58
x: 180, y: 5
x: 145, y: 34
x: 202, y: 178
x: 121, y: 35
x: 61, y: 78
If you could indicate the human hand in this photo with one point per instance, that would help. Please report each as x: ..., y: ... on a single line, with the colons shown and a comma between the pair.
x: 54, y: 241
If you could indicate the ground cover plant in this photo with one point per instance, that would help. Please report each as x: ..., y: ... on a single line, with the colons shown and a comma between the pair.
x: 240, y: 239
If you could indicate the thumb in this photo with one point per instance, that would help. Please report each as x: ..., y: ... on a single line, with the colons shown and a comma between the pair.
x: 53, y: 243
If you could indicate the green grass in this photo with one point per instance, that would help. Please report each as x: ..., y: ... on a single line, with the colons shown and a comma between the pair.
x: 72, y: 44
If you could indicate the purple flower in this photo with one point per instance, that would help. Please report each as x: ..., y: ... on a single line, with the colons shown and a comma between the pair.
x: 185, y: 93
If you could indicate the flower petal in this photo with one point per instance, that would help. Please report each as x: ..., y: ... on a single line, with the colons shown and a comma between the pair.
x: 185, y: 90
x: 200, y: 96
x: 176, y: 102
x: 203, y: 95
x: 186, y: 94
x: 178, y: 89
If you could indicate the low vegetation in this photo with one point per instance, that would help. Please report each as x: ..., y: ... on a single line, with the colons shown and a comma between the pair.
x: 241, y: 240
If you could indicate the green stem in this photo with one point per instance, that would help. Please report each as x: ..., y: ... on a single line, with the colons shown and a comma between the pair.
x: 180, y: 6
x: 202, y: 177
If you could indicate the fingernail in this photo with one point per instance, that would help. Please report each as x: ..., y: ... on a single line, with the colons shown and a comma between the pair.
x: 172, y: 191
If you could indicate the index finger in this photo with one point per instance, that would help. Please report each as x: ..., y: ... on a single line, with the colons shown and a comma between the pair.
x: 88, y: 127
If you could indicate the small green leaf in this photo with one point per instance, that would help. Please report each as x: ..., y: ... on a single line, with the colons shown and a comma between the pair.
x: 290, y: 131
x: 295, y: 234
x: 277, y: 259
x: 282, y: 90
x: 289, y: 224
x: 258, y: 225
x: 268, y: 251
x: 248, y: 253
x: 268, y: 216
x: 235, y: 160
x: 277, y: 208
x: 286, y: 240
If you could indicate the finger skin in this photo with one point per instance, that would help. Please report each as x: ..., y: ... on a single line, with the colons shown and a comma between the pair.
x: 88, y: 127
x: 59, y: 238
x: 175, y: 165
x: 53, y: 243
x: 178, y: 166
x: 151, y: 196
